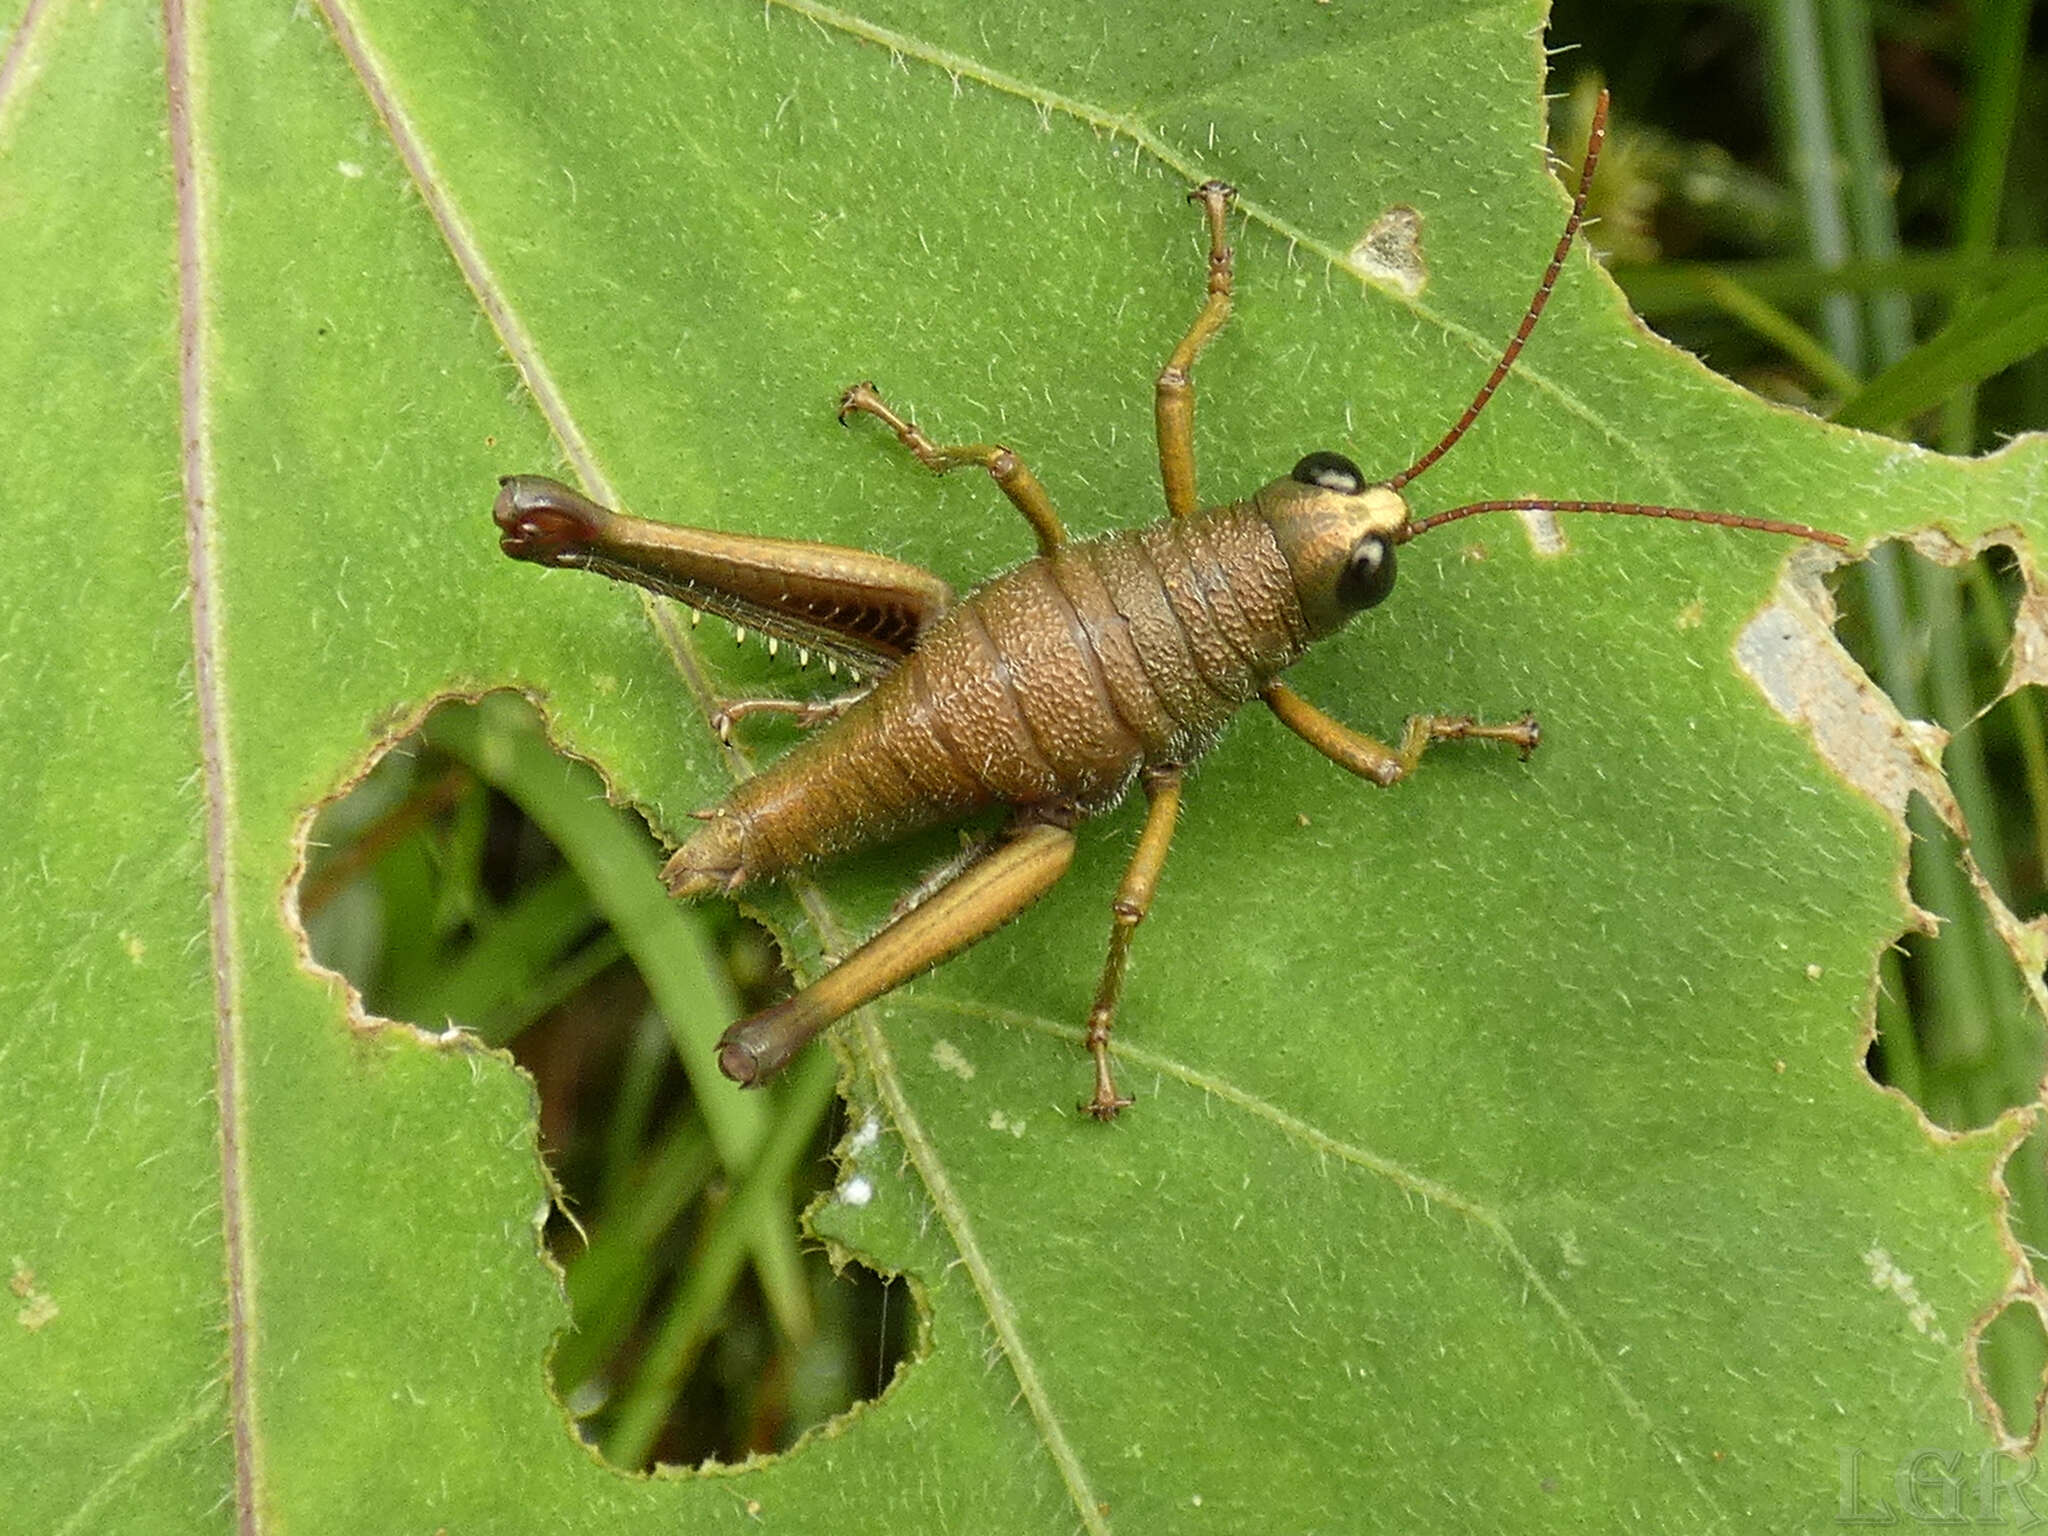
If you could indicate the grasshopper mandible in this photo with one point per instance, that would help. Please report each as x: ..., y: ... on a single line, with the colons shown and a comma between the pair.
x: 1052, y: 688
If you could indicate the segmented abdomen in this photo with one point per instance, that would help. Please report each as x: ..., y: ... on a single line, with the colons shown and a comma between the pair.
x: 1051, y: 687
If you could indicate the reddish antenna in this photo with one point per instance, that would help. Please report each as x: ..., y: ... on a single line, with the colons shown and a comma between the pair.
x: 1596, y: 137
x: 1594, y: 140
x: 1628, y: 509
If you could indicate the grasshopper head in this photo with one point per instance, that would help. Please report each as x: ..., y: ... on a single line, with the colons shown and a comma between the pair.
x: 1338, y: 536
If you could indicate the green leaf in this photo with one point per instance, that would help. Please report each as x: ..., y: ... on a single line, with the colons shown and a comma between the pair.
x: 1504, y: 1154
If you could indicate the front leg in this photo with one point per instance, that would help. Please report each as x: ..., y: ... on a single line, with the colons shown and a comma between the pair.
x: 1375, y: 760
x: 1003, y: 466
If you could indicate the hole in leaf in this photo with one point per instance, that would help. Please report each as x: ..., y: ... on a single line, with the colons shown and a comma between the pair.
x: 2010, y: 741
x: 2012, y: 1353
x: 1957, y: 1028
x: 434, y: 889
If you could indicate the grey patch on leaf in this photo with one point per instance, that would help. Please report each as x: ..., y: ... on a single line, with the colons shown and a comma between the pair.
x: 1790, y: 651
x: 2028, y: 659
x: 2029, y: 639
x: 38, y: 1308
x: 1545, y: 536
x: 1886, y: 1276
x: 1390, y: 251
x: 2026, y: 939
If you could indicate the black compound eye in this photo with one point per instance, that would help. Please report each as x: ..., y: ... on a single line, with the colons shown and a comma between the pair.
x: 1331, y: 471
x: 1368, y: 576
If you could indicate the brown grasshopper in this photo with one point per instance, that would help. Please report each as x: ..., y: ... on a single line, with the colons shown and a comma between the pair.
x: 1050, y: 689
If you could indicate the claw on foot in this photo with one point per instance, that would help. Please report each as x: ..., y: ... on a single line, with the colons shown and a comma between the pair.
x: 856, y: 398
x: 1106, y: 1108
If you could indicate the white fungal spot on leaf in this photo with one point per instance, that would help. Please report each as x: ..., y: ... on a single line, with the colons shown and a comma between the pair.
x: 947, y: 1055
x: 1887, y: 1276
x: 1545, y: 537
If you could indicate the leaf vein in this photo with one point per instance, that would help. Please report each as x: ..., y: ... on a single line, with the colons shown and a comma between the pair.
x: 491, y: 296
x: 182, y: 84
x: 83, y: 1518
x: 1433, y: 1192
x: 13, y: 65
x: 960, y: 66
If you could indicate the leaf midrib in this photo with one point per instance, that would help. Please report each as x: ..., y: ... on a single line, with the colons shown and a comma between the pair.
x: 195, y: 382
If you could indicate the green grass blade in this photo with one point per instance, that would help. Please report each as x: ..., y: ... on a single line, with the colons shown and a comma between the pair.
x: 1986, y: 337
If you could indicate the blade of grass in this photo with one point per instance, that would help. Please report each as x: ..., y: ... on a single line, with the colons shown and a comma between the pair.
x: 1782, y: 331
x: 408, y: 879
x: 1687, y: 287
x: 459, y: 895
x: 1986, y: 337
x: 610, y: 1281
x: 553, y: 989
x: 1898, y: 1043
x: 632, y: 1113
x: 351, y: 860
x: 1851, y: 55
x: 1998, y: 49
x: 1806, y: 134
x: 501, y: 742
x: 646, y: 1402
x: 513, y: 948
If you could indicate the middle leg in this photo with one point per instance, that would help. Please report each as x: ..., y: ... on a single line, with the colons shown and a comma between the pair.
x: 1133, y: 901
x: 805, y: 714
x: 1003, y: 466
x: 1173, y: 404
